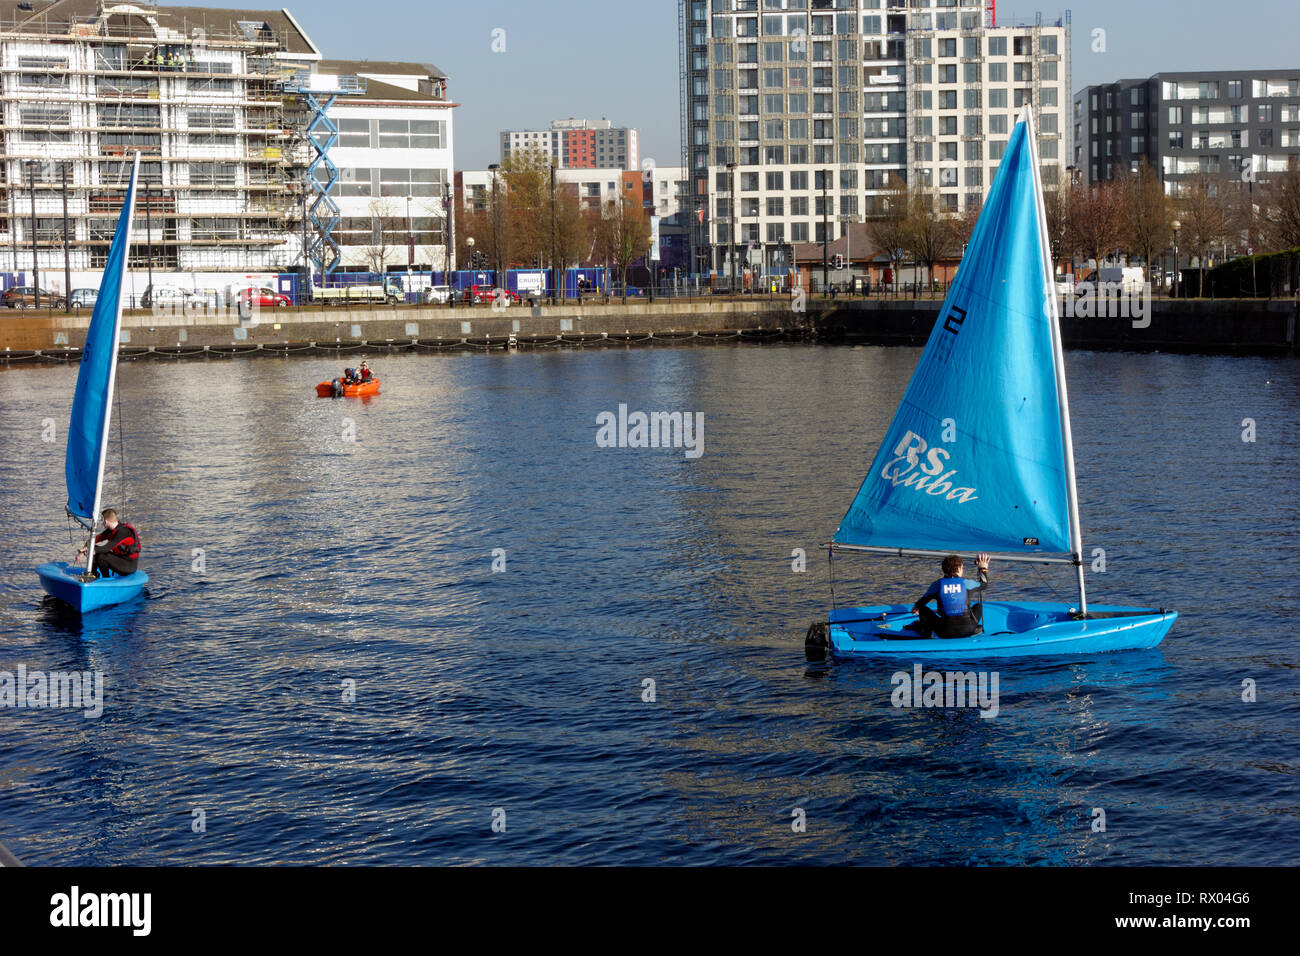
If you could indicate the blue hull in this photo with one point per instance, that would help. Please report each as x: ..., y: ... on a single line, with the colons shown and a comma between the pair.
x: 63, y: 582
x: 1011, y: 629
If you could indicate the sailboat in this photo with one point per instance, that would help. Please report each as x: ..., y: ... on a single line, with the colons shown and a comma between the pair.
x: 92, y: 409
x: 979, y: 456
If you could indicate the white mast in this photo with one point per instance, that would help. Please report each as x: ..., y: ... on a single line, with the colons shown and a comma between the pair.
x: 1058, y: 354
x: 112, y: 368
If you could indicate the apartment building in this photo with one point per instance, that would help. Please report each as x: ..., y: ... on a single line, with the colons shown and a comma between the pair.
x: 197, y: 92
x: 578, y: 144
x: 805, y: 111
x: 658, y: 187
x: 223, y: 106
x: 1239, y: 124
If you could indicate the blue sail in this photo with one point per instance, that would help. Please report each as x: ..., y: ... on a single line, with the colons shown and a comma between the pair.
x: 90, y: 406
x: 975, y: 457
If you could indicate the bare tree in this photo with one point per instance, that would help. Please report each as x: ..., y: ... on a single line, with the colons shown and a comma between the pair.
x: 1057, y: 208
x: 1149, y: 213
x: 887, y: 220
x: 387, y: 235
x: 622, y: 234
x: 1096, y: 219
x: 1205, y: 211
x: 1279, y: 214
x: 930, y: 236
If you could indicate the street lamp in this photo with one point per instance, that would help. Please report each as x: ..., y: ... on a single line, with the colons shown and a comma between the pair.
x: 496, y: 245
x: 731, y: 229
x: 1176, y: 226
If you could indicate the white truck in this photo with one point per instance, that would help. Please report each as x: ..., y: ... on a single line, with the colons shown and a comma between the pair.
x: 389, y: 292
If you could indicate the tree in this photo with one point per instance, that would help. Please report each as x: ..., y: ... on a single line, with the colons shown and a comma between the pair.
x: 887, y: 220
x: 1056, y: 201
x: 1205, y: 214
x: 387, y: 235
x: 1279, y: 218
x: 930, y: 236
x: 1149, y: 213
x: 623, y: 234
x: 526, y: 177
x: 1096, y: 220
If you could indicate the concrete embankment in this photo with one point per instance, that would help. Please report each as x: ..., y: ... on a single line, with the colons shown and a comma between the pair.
x: 58, y: 337
x: 1225, y: 326
x: 1221, y: 327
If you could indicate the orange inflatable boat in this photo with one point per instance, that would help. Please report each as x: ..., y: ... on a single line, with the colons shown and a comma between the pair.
x: 326, y: 389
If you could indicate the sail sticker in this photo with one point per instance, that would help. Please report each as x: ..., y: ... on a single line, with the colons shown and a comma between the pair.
x: 956, y: 316
x: 907, y: 470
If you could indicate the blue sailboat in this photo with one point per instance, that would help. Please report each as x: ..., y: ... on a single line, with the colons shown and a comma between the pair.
x: 92, y: 408
x: 979, y: 456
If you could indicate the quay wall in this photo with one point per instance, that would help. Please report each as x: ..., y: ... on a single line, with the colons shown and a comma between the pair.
x: 1236, y: 326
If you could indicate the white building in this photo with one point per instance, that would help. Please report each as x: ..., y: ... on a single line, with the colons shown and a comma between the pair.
x: 197, y: 92
x: 394, y: 156
x: 209, y: 98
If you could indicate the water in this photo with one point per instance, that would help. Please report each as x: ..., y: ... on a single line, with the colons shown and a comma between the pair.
x: 371, y: 561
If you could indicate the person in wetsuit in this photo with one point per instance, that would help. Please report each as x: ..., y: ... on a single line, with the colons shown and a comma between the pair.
x: 117, y: 547
x: 953, y: 615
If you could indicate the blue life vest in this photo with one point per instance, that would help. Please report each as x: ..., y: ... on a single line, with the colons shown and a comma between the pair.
x: 953, y: 601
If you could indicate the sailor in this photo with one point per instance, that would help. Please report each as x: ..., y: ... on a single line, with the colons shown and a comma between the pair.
x: 364, y: 373
x: 954, y: 617
x: 350, y: 376
x: 117, y: 547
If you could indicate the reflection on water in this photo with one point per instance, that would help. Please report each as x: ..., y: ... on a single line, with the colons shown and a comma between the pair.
x: 348, y: 681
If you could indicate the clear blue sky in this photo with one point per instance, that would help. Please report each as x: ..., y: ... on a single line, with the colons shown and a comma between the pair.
x: 618, y: 58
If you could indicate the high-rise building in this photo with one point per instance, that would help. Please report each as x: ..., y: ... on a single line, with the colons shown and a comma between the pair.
x: 578, y: 144
x: 813, y: 108
x: 1239, y: 124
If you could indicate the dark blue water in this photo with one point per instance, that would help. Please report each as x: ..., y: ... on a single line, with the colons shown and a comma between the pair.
x: 371, y: 561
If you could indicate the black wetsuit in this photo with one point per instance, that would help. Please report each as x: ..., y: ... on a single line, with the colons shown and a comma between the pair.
x: 950, y: 621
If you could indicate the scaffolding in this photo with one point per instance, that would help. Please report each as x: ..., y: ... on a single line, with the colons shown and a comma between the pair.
x: 321, y: 176
x: 220, y: 175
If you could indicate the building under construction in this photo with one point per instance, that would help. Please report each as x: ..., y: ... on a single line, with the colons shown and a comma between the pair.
x: 235, y: 172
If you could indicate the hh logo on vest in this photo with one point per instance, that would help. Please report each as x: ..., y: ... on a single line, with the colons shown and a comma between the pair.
x: 909, y: 469
x: 952, y: 589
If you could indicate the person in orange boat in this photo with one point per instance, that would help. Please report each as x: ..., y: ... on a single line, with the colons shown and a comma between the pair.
x: 364, y: 374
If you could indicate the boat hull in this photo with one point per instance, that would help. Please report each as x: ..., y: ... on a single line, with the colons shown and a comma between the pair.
x: 63, y: 581
x: 1011, y: 629
x: 326, y: 389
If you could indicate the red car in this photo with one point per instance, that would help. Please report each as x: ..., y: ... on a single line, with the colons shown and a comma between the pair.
x: 264, y: 298
x: 485, y: 293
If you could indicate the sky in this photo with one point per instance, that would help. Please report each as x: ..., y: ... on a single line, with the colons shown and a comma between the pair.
x: 617, y: 59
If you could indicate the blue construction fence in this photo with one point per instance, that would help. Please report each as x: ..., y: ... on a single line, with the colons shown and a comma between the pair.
x: 522, y: 282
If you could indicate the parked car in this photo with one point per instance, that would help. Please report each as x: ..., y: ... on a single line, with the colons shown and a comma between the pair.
x: 168, y: 297
x: 484, y: 293
x: 263, y: 298
x: 84, y: 298
x: 437, y: 295
x: 24, y: 297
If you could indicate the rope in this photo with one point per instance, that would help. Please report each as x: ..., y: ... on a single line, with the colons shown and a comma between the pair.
x: 830, y: 561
